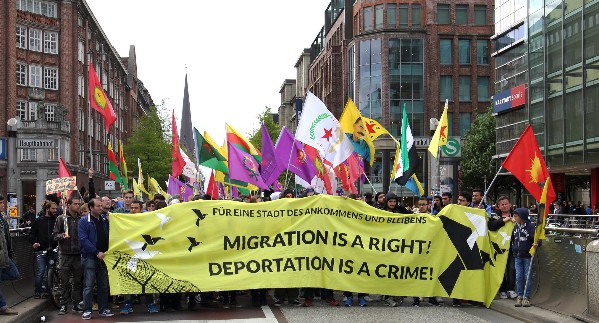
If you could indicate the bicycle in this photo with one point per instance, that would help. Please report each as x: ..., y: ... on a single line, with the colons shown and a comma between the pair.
x: 52, y: 279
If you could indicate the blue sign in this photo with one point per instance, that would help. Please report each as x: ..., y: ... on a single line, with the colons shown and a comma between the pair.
x: 510, y: 99
x: 2, y: 148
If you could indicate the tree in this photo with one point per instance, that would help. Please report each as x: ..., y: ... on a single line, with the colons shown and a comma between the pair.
x: 151, y: 144
x: 273, y: 129
x: 477, y: 151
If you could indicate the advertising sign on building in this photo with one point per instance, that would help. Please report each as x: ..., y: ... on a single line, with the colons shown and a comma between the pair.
x: 510, y: 99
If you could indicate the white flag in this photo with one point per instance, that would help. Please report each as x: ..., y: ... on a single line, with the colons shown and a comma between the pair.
x: 189, y: 170
x: 321, y: 130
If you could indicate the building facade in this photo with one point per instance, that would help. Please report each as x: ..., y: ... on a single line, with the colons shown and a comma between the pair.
x: 385, y: 55
x: 547, y: 75
x: 44, y: 90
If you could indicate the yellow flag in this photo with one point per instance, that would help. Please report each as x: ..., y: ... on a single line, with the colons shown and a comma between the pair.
x: 440, y: 137
x: 374, y: 128
x: 136, y: 191
x: 541, y: 217
x: 354, y: 126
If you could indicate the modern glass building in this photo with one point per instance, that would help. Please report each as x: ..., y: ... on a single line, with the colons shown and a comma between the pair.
x: 547, y: 74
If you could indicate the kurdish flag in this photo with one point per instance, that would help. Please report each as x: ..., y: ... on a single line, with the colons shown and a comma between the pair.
x: 115, y: 175
x: 98, y: 99
x: 239, y: 141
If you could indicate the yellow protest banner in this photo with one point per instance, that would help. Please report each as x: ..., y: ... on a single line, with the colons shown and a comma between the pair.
x: 319, y: 241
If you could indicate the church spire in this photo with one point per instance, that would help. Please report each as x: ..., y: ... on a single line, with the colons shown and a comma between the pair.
x: 186, y: 135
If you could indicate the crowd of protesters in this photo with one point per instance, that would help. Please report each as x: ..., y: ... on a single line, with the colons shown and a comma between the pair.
x: 80, y: 233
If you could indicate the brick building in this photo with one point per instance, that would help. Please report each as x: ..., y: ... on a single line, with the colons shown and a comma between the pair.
x: 387, y: 54
x: 44, y: 90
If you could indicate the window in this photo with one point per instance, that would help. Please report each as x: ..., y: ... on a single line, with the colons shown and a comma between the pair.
x: 48, y: 9
x: 53, y: 154
x: 28, y: 154
x: 391, y: 15
x: 51, y: 78
x: 51, y: 42
x: 378, y: 16
x: 482, y: 52
x: 368, y: 19
x: 446, y: 88
x: 81, y: 86
x: 464, y: 88
x: 483, y: 89
x: 50, y: 108
x: 35, y: 40
x: 21, y: 37
x: 480, y: 15
x: 34, y: 6
x: 35, y: 76
x: 21, y: 74
x: 443, y: 14
x: 82, y: 120
x: 416, y: 15
x: 403, y: 15
x: 22, y: 110
x: 464, y: 51
x: 461, y: 14
x: 445, y: 51
x: 80, y: 52
x: 464, y: 123
x: 22, y: 5
x: 32, y: 112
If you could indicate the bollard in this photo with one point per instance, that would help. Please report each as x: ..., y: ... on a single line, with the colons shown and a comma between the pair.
x: 592, y: 254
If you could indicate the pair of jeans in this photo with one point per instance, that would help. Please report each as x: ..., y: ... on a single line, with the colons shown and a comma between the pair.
x: 70, y: 264
x: 94, y: 269
x: 522, y: 276
x: 9, y: 273
x: 41, y: 264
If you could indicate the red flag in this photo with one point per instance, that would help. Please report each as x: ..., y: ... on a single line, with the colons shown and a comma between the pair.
x: 98, y: 99
x: 354, y: 171
x: 63, y: 171
x: 178, y: 162
x: 527, y: 164
x: 321, y: 168
x: 212, y: 189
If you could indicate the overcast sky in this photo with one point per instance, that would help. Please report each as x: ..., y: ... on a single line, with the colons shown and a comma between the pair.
x: 237, y: 53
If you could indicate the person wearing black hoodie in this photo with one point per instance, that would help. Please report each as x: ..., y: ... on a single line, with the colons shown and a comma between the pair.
x: 522, y: 241
x: 41, y: 239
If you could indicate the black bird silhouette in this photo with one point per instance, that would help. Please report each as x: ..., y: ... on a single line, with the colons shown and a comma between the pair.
x: 150, y: 240
x: 193, y: 243
x: 201, y: 216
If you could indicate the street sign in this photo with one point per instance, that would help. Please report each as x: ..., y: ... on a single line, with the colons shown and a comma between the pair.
x: 13, y: 212
x: 453, y: 148
x: 109, y: 185
x: 36, y: 143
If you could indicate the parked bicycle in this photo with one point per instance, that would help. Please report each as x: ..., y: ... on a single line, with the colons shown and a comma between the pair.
x: 52, y: 279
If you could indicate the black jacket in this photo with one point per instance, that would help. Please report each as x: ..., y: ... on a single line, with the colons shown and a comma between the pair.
x: 496, y: 221
x: 398, y: 208
x: 41, y: 232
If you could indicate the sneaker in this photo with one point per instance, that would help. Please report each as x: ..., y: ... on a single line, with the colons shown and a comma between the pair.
x: 348, y: 302
x: 227, y: 305
x: 434, y: 302
x: 278, y: 303
x: 416, y: 303
x: 512, y: 294
x: 518, y: 302
x: 45, y: 296
x: 77, y: 308
x: 152, y: 308
x: 526, y: 302
x: 37, y: 296
x: 127, y: 309
x: 362, y: 302
x: 503, y: 295
x: 332, y: 302
x: 106, y: 313
x: 307, y: 302
x: 457, y: 303
x: 62, y: 310
x: 297, y: 302
x: 390, y: 302
x: 86, y: 315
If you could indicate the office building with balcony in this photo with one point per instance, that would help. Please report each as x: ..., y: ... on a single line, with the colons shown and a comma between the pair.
x: 45, y: 90
x: 547, y: 75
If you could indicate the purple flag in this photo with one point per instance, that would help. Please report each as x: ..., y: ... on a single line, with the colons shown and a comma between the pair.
x: 277, y: 186
x: 234, y: 191
x: 243, y: 167
x: 176, y: 187
x: 294, y: 156
x: 271, y: 166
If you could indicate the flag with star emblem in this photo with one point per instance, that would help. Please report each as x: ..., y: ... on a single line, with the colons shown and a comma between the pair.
x: 440, y: 137
x: 98, y: 99
x: 374, y: 128
x: 356, y: 128
x: 243, y: 167
x: 320, y: 129
x: 527, y: 164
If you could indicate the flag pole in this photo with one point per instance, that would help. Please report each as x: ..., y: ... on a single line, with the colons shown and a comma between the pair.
x: 528, y: 273
x: 369, y: 182
x: 490, y: 185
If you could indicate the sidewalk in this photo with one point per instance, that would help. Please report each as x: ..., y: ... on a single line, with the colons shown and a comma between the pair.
x: 530, y: 314
x: 28, y: 311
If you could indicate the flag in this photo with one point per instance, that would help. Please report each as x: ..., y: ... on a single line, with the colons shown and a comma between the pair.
x: 243, y: 167
x: 208, y: 154
x: 140, y: 177
x: 136, y: 190
x: 408, y: 155
x: 239, y: 141
x: 63, y: 171
x: 98, y: 99
x: 123, y: 163
x: 414, y: 185
x: 527, y: 164
x: 294, y: 157
x: 115, y: 175
x: 271, y: 165
x: 176, y: 187
x: 154, y: 187
x: 357, y: 131
x: 325, y: 175
x: 440, y: 136
x: 321, y: 130
x: 542, y: 216
x: 177, y: 159
x: 354, y: 170
x: 189, y: 170
x: 374, y: 128
x: 211, y: 188
x: 234, y: 191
